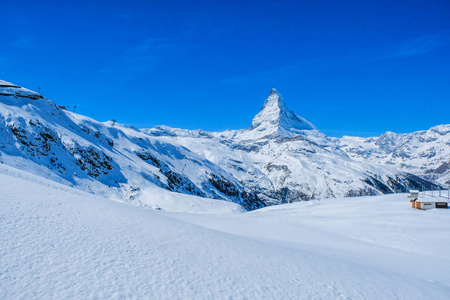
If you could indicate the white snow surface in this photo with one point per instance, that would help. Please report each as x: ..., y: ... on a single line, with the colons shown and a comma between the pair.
x: 58, y: 242
x: 160, y: 199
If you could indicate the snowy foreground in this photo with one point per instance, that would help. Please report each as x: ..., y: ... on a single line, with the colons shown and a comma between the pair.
x: 57, y: 242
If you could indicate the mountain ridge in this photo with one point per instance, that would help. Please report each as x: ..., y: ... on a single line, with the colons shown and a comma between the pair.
x: 425, y: 152
x: 253, y: 167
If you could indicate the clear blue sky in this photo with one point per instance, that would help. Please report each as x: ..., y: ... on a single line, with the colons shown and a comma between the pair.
x: 349, y: 67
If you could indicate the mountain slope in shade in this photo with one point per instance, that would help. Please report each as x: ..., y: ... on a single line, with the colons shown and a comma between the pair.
x: 280, y: 158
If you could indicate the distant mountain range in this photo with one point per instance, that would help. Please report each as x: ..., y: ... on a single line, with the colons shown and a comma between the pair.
x: 424, y: 153
x: 280, y: 158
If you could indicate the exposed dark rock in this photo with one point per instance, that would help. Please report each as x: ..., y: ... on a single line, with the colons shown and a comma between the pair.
x: 175, y: 182
x: 249, y: 201
x: 94, y: 162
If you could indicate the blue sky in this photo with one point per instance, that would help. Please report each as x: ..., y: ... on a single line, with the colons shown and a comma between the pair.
x: 349, y: 67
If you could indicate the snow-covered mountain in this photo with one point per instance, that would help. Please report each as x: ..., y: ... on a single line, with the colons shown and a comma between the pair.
x: 425, y: 153
x: 280, y: 158
x: 285, y: 158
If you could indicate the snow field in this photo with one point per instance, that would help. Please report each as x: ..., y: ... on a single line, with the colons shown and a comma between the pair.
x: 57, y: 242
x: 382, y: 232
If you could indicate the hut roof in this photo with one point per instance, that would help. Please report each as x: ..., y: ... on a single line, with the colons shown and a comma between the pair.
x: 432, y: 200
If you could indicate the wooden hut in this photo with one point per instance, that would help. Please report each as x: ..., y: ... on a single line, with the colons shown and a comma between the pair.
x: 429, y: 204
x: 414, y: 195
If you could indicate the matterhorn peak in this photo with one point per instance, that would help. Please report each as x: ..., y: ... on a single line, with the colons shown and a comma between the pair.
x: 274, y: 101
x: 275, y: 116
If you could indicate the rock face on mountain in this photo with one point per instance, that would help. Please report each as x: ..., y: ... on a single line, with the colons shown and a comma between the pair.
x: 280, y: 158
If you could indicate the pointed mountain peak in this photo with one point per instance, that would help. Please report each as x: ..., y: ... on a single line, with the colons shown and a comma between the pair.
x: 274, y: 104
x: 275, y: 116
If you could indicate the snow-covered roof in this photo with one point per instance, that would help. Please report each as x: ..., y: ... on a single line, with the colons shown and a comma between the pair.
x: 430, y: 200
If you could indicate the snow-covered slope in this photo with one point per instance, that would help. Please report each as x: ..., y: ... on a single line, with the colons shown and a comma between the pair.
x: 10, y: 89
x: 62, y: 243
x: 424, y: 153
x: 280, y: 158
x: 38, y: 136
